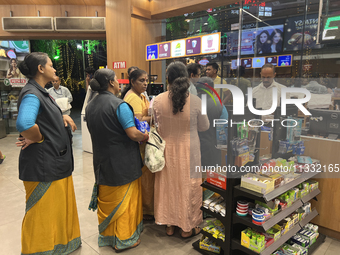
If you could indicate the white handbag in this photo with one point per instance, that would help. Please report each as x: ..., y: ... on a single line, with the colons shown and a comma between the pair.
x: 154, y: 150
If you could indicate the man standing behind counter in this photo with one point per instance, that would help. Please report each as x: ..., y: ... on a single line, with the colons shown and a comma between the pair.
x: 58, y: 92
x: 263, y: 93
x: 211, y: 71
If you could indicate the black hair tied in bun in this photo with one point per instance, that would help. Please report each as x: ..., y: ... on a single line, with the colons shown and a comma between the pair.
x: 95, y: 86
x: 101, y: 79
x: 24, y: 69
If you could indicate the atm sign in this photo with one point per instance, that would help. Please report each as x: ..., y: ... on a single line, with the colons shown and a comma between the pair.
x: 119, y: 65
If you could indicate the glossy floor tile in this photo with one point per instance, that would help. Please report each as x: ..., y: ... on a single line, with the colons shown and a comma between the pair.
x: 154, y: 241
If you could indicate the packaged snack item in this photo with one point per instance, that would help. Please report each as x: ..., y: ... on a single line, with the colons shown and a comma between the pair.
x: 207, y: 202
x: 253, y: 240
x: 313, y: 185
x: 214, y: 203
x: 257, y: 183
x: 242, y: 131
x: 208, y: 245
x: 303, y: 251
x: 273, y: 233
x: 300, y: 240
x: 142, y: 125
x: 222, y: 135
x: 290, y: 250
x: 312, y: 236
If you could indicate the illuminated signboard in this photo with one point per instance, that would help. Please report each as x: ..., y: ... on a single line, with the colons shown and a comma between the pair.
x: 331, y: 29
x: 199, y: 45
x: 285, y: 60
x: 152, y: 52
x: 178, y: 48
x: 164, y: 50
x: 258, y: 62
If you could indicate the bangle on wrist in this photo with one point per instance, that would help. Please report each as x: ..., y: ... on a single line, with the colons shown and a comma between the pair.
x: 42, y: 139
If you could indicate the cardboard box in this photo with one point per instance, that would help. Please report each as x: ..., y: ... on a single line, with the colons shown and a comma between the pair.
x: 257, y: 186
x: 209, y: 246
x: 273, y: 233
x: 217, y: 179
x: 250, y: 243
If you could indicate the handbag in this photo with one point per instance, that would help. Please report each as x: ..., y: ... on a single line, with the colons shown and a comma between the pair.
x: 154, y: 150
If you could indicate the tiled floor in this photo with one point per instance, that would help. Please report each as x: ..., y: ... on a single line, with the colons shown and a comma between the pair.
x: 12, y: 197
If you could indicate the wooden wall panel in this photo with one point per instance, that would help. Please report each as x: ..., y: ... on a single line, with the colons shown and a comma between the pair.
x: 23, y: 11
x: 91, y: 11
x: 328, y: 205
x: 118, y: 33
x: 145, y: 32
x: 45, y: 2
x: 144, y: 4
x: 94, y: 2
x: 73, y: 10
x: 49, y: 10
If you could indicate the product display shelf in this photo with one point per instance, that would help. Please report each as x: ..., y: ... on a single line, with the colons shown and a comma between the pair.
x: 310, y: 195
x: 316, y: 245
x: 215, y: 189
x: 215, y: 215
x: 247, y: 220
x: 219, y: 242
x: 309, y: 217
x: 196, y: 246
x: 239, y: 191
x: 236, y: 244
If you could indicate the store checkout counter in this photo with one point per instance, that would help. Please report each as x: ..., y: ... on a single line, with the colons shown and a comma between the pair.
x: 319, y: 145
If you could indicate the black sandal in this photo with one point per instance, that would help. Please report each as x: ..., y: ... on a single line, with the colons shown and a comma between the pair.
x: 193, y: 233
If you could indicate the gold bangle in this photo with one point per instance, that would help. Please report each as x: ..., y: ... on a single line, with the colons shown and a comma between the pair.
x: 43, y: 138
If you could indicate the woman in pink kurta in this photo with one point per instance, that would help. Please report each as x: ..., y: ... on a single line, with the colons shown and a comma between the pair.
x: 178, y: 194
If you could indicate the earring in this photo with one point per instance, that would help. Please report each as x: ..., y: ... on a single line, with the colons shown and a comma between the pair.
x: 42, y: 71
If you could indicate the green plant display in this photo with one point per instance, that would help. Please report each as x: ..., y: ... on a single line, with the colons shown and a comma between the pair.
x: 212, y: 23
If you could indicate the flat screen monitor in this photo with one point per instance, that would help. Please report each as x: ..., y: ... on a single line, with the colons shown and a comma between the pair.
x: 324, y: 122
x: 262, y: 40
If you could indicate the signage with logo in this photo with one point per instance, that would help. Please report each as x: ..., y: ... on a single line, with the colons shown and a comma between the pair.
x: 293, y: 33
x: 193, y: 46
x: 178, y: 48
x: 152, y: 52
x: 211, y: 43
x: 164, y: 50
x: 198, y: 45
x: 331, y: 29
x: 285, y: 60
x: 119, y: 65
x: 246, y: 62
x: 258, y: 62
x: 16, y: 82
x: 271, y: 60
x: 20, y: 46
x: 203, y: 62
x: 11, y: 54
